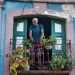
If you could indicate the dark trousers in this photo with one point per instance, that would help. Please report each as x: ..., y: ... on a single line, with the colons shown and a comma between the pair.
x: 36, y: 53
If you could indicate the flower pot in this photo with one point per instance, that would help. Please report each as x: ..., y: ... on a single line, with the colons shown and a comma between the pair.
x: 19, y: 68
x: 27, y: 68
x: 48, y: 47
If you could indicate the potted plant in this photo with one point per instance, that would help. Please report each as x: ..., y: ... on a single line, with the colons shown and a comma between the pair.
x: 61, y: 65
x: 18, y: 62
x: 27, y: 44
x: 48, y: 42
x: 18, y: 66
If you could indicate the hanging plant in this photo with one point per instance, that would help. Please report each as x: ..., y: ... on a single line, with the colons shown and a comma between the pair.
x: 27, y: 44
x: 48, y: 42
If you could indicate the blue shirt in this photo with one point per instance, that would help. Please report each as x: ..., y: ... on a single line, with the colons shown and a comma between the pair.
x: 36, y: 32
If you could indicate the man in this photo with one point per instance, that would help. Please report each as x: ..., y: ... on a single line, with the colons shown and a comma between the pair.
x: 36, y: 33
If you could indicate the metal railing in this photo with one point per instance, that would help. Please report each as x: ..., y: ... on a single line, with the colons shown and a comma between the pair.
x: 40, y: 56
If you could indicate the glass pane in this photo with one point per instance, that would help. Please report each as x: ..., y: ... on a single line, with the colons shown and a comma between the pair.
x: 19, y: 41
x: 58, y: 47
x: 20, y: 26
x: 58, y: 27
x: 59, y: 40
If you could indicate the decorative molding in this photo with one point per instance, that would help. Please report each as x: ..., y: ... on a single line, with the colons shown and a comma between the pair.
x: 52, y: 1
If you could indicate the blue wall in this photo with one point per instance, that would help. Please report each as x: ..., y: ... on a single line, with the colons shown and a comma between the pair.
x: 8, y: 6
x: 55, y: 7
x: 2, y: 33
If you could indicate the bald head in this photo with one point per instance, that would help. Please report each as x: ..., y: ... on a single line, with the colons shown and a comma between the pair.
x: 35, y: 21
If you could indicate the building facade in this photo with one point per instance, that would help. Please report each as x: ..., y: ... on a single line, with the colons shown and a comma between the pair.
x: 57, y: 16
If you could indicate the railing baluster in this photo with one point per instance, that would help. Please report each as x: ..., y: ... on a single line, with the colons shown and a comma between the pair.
x: 48, y: 56
x: 43, y: 57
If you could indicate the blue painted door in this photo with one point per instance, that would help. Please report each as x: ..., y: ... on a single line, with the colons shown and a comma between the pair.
x: 58, y: 31
x: 19, y: 32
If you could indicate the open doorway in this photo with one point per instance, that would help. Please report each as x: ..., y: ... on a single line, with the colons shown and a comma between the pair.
x: 45, y: 21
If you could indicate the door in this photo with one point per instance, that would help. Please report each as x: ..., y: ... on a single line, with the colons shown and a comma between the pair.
x: 45, y: 21
x: 58, y: 31
x: 19, y: 32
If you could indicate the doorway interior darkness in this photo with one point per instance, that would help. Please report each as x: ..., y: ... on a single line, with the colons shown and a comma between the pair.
x: 45, y: 21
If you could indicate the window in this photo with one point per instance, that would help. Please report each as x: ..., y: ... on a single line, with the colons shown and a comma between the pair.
x: 57, y: 7
x: 58, y: 31
x: 20, y: 26
x: 58, y: 27
x: 58, y: 45
x: 19, y: 41
x: 19, y: 32
x: 38, y: 54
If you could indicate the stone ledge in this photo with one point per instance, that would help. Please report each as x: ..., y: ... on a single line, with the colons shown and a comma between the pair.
x: 44, y: 72
x: 53, y: 1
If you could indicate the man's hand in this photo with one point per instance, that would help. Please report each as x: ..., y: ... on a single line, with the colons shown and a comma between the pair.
x: 31, y: 40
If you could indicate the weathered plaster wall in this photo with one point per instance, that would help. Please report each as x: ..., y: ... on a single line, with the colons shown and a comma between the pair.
x: 12, y: 10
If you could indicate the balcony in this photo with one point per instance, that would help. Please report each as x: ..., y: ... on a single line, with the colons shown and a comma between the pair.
x: 38, y: 59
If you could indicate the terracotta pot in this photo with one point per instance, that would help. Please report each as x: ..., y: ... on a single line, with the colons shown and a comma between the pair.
x: 48, y: 47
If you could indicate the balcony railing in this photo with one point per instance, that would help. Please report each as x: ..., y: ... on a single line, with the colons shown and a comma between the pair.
x: 40, y: 57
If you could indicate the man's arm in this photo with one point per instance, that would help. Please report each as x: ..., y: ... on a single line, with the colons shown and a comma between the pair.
x: 42, y: 32
x: 30, y: 34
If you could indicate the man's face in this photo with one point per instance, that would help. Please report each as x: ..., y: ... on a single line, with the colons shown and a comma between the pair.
x: 35, y: 21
